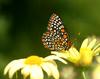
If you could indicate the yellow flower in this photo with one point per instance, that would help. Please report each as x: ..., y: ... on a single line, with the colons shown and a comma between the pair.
x: 89, y: 48
x: 32, y: 66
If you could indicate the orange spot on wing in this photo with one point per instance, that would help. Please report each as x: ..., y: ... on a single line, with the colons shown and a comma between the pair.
x: 47, y: 33
x: 69, y: 43
x: 65, y: 36
x: 43, y: 40
x: 46, y: 46
x: 62, y: 30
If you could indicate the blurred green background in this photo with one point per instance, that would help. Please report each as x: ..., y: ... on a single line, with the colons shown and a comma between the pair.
x: 22, y: 23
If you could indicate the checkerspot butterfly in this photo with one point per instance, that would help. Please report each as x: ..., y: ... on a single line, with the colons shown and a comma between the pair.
x: 56, y: 38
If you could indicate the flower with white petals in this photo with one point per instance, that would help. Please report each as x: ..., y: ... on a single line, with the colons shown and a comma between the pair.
x: 32, y: 66
x: 89, y: 48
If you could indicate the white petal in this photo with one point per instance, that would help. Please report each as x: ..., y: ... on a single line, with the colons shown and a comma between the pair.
x: 60, y: 54
x: 46, y: 69
x: 9, y: 66
x: 53, y: 57
x: 97, y: 51
x: 26, y: 71
x: 85, y: 43
x: 36, y: 72
x: 91, y: 44
x: 96, y: 46
x: 53, y: 69
x: 18, y: 65
x: 74, y: 52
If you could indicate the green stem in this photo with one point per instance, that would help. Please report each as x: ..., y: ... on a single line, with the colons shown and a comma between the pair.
x: 16, y: 75
x: 84, y: 76
x: 24, y: 77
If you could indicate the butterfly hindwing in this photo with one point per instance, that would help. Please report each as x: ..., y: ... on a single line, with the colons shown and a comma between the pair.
x: 56, y: 38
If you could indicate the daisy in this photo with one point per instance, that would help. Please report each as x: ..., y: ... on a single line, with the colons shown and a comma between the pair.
x: 89, y: 48
x: 32, y: 67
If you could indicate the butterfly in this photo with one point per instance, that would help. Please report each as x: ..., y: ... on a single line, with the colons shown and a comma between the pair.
x: 56, y: 38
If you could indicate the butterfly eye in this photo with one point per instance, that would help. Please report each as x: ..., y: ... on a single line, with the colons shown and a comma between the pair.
x: 56, y: 38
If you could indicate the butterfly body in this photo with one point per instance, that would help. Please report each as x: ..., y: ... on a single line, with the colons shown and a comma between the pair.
x: 56, y: 38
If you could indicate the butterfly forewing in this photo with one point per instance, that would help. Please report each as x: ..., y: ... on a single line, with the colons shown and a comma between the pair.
x: 54, y: 22
x: 56, y: 38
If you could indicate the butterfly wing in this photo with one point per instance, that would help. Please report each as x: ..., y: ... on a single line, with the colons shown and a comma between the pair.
x: 56, y: 38
x: 54, y: 22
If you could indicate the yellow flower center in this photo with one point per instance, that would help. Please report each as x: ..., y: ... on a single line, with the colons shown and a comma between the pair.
x: 86, y: 56
x: 33, y: 60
